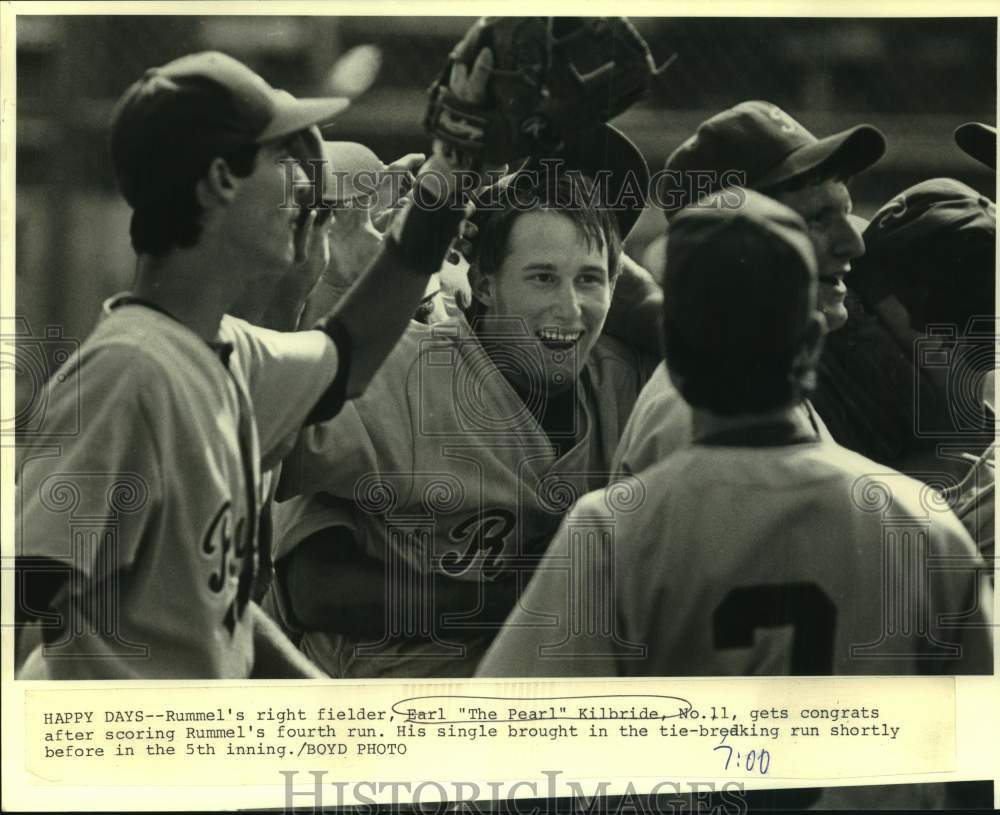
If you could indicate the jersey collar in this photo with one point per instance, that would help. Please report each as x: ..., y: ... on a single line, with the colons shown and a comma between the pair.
x: 223, y: 350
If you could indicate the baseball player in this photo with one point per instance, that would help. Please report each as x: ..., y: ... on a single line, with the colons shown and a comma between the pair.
x: 756, y: 145
x: 929, y: 276
x: 456, y: 465
x: 141, y: 494
x: 790, y: 546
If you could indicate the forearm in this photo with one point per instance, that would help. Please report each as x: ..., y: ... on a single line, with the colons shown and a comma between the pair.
x: 275, y: 657
x: 376, y: 311
x: 636, y: 308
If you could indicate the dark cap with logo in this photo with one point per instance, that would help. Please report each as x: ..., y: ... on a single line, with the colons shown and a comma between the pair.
x: 196, y: 106
x: 933, y: 246
x: 757, y: 145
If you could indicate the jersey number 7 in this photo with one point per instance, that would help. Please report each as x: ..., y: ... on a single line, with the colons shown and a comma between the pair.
x: 804, y: 606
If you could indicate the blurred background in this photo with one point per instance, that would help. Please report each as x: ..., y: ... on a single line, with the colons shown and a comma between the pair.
x: 915, y: 79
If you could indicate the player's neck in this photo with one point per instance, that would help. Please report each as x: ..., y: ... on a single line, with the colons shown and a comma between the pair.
x: 188, y: 286
x: 704, y: 423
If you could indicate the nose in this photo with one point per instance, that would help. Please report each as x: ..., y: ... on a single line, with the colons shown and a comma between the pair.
x: 566, y: 306
x: 848, y: 243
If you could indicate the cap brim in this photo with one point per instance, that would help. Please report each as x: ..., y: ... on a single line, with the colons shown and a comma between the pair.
x: 979, y: 141
x: 351, y: 170
x: 601, y: 148
x: 848, y: 152
x: 292, y: 115
x: 606, y: 148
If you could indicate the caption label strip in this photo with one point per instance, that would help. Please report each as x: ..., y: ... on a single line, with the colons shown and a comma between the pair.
x: 746, y: 730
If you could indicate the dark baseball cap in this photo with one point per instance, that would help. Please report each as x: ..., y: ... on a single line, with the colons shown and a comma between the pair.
x: 934, y: 240
x: 605, y: 149
x: 740, y: 277
x: 199, y: 103
x: 979, y: 141
x: 757, y: 145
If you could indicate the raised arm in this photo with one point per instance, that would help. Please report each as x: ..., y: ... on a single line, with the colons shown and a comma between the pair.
x: 634, y: 316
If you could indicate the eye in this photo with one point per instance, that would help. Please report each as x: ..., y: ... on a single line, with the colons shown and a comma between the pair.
x: 820, y: 219
x: 591, y: 279
x: 541, y: 277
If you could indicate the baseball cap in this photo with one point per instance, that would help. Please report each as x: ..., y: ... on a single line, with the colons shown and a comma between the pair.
x: 740, y: 277
x: 757, y: 145
x: 613, y: 170
x: 979, y: 141
x: 605, y: 149
x: 196, y: 105
x: 934, y: 237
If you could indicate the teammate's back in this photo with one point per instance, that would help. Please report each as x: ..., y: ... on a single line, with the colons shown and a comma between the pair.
x: 796, y: 559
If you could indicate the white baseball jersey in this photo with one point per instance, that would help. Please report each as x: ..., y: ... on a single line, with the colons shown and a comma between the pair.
x: 660, y: 425
x: 450, y: 473
x: 153, y: 503
x: 800, y: 559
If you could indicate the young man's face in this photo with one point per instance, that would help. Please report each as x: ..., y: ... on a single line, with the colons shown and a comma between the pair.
x: 825, y: 207
x: 261, y: 221
x: 557, y: 283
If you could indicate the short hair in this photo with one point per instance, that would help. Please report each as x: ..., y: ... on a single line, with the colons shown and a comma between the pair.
x: 566, y: 193
x: 174, y: 218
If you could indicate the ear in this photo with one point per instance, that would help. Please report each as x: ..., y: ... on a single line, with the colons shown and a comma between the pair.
x: 483, y: 285
x: 218, y: 186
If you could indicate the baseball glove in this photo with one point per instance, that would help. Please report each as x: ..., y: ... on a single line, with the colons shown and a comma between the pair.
x: 550, y: 76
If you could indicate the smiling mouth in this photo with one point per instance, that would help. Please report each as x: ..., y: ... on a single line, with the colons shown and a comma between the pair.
x: 559, y: 340
x: 836, y: 277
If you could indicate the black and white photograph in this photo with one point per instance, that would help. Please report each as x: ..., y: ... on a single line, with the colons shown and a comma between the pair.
x: 505, y: 348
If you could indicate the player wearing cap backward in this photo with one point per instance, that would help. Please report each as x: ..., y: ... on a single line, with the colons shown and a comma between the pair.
x: 929, y: 276
x: 790, y: 548
x: 138, y: 500
x: 758, y: 146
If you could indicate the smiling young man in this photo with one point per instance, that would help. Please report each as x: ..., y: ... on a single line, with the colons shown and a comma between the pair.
x: 455, y: 467
x: 758, y: 146
x: 139, y: 499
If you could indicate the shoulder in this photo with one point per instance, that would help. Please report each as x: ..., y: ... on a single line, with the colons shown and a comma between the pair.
x: 143, y: 341
x: 613, y: 364
x: 423, y: 354
x: 608, y: 350
x: 878, y: 489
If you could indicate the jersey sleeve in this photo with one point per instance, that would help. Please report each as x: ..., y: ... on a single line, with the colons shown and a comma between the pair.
x: 660, y: 424
x: 549, y: 632
x: 90, y: 481
x: 286, y: 373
